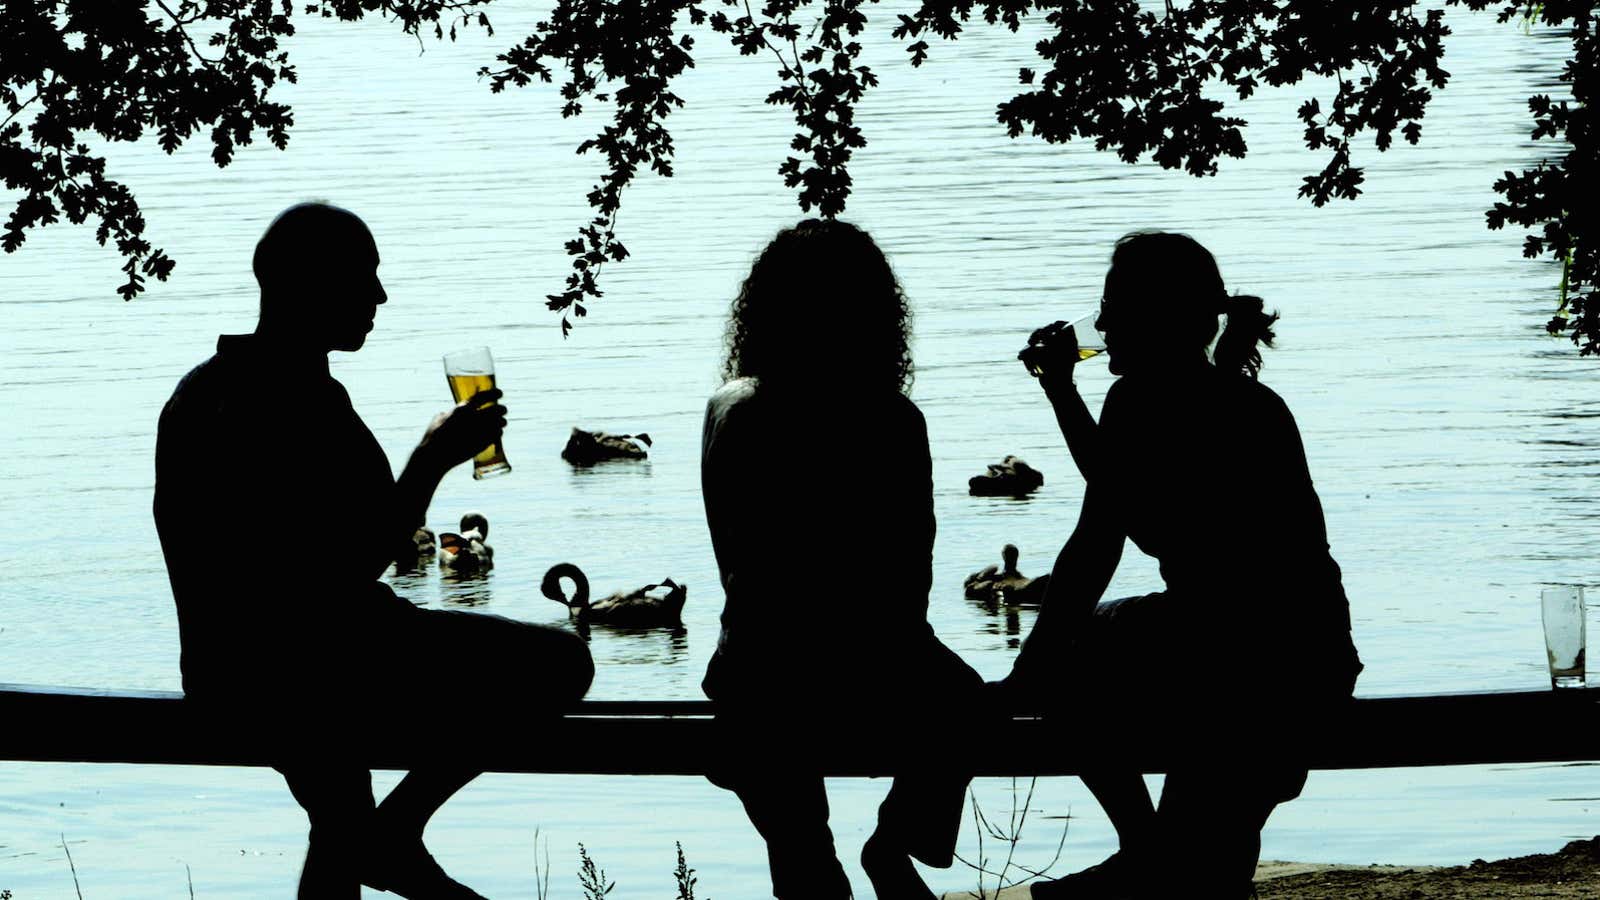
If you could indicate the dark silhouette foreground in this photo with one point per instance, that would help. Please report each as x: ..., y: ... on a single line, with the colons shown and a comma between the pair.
x: 1202, y: 467
x: 787, y: 497
x: 278, y: 513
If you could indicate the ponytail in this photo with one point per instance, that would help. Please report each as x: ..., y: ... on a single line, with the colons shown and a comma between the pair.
x: 1249, y: 328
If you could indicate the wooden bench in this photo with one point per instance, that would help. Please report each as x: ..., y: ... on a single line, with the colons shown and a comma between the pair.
x: 52, y: 724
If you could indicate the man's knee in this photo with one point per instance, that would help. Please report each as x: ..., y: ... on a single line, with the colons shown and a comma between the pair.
x: 554, y: 661
x: 575, y: 666
x: 558, y: 663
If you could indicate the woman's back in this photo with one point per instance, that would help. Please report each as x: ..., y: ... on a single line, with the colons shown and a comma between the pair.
x: 1207, y: 473
x: 821, y: 517
x: 819, y: 498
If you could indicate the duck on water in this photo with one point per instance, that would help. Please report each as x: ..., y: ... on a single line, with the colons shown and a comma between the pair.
x: 411, y: 554
x: 1010, y: 477
x: 468, y: 552
x: 1005, y: 585
x: 585, y: 448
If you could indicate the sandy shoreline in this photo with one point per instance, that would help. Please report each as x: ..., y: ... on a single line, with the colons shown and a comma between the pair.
x: 1570, y: 873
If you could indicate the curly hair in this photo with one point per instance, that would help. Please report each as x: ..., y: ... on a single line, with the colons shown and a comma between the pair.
x: 821, y: 294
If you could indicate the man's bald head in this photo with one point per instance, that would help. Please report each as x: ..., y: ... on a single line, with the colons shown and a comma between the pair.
x: 317, y: 267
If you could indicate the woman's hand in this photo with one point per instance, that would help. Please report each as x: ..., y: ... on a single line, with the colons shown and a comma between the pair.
x: 1051, y: 353
x: 1000, y: 697
x: 456, y: 436
x: 1012, y: 695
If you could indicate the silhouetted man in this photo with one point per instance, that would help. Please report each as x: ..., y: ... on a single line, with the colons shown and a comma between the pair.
x: 278, y: 513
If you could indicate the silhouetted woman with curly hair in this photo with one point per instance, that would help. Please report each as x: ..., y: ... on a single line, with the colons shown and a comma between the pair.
x: 818, y: 492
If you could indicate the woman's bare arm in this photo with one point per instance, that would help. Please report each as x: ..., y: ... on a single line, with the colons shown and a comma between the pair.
x: 1077, y: 425
x: 1086, y: 563
x: 1082, y: 571
x: 1052, y: 356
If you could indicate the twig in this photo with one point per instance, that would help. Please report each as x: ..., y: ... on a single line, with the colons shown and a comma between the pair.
x: 977, y: 818
x: 179, y: 22
x: 190, y: 875
x: 70, y: 865
x: 1183, y: 49
x: 1060, y: 846
x: 1016, y: 827
x: 797, y: 68
x: 19, y: 110
x: 1011, y: 837
x: 541, y: 878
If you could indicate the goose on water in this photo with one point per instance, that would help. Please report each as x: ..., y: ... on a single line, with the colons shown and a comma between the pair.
x: 652, y: 606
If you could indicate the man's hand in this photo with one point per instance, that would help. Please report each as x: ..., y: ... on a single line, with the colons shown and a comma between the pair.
x: 456, y: 436
x: 1051, y: 353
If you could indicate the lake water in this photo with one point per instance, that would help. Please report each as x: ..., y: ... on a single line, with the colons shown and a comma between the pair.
x: 1452, y: 442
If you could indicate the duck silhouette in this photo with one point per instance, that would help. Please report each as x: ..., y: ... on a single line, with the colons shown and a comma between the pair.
x: 585, y: 448
x: 1004, y: 585
x: 1010, y: 477
x: 411, y: 554
x: 652, y: 606
x: 467, y: 552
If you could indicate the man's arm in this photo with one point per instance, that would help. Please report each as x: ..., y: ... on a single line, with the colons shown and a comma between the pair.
x: 452, y: 438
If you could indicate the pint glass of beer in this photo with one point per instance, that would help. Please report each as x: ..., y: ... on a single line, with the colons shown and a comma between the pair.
x: 469, y: 372
x: 1090, y: 342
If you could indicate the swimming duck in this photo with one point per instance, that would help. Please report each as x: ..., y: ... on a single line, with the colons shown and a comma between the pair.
x: 409, y: 557
x: 654, y: 605
x: 585, y: 448
x: 1011, y: 477
x: 467, y: 552
x: 996, y: 586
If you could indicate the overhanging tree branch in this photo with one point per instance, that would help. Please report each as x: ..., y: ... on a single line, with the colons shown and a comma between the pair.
x: 178, y: 23
x: 1132, y: 82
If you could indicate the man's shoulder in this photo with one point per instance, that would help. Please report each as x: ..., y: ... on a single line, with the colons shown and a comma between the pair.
x: 197, y: 386
x: 216, y: 389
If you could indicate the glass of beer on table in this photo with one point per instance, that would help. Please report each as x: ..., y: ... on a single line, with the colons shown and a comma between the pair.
x: 469, y: 373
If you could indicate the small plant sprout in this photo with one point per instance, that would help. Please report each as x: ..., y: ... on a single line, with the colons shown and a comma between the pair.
x: 592, y: 878
x: 684, y: 876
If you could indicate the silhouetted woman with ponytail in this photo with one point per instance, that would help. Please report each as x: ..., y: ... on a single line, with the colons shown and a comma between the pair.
x: 819, y: 496
x: 1200, y: 466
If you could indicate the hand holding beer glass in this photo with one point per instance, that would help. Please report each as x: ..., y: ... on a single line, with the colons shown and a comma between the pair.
x: 470, y: 373
x: 1053, y: 350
